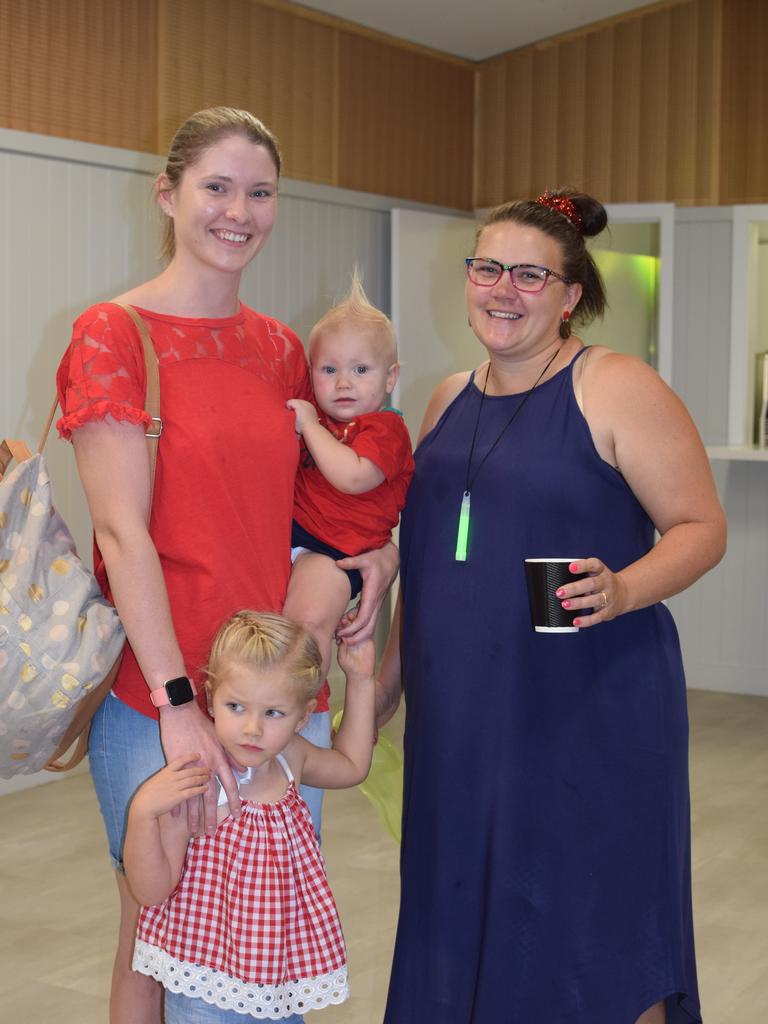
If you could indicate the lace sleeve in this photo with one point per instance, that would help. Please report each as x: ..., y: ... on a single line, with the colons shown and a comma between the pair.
x: 295, y: 372
x: 103, y: 372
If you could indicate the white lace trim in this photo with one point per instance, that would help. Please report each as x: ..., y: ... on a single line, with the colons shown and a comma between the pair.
x: 265, y: 1002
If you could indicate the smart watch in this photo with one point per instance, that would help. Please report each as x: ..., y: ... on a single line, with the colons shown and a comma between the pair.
x: 174, y: 692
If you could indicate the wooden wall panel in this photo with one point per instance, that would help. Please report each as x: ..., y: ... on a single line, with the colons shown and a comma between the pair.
x: 81, y: 69
x: 622, y: 109
x: 744, y: 164
x: 669, y: 102
x: 240, y: 54
x: 405, y: 123
x: 350, y: 108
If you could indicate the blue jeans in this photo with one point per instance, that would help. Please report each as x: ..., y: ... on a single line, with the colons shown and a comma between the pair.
x: 180, y: 1009
x: 124, y: 749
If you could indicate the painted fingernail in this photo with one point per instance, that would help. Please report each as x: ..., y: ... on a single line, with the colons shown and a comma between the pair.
x: 566, y: 604
x: 577, y: 622
x: 559, y: 593
x: 573, y: 567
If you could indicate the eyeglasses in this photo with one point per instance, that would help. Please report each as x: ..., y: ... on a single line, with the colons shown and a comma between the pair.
x: 526, y: 277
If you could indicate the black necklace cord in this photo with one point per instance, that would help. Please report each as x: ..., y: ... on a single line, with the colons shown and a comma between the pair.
x: 470, y: 480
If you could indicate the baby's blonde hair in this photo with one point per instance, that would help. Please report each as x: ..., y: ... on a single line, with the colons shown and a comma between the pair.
x: 356, y: 310
x: 263, y: 640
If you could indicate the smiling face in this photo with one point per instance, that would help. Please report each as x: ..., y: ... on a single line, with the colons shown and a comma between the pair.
x: 257, y: 712
x: 224, y: 206
x: 506, y: 320
x: 353, y: 371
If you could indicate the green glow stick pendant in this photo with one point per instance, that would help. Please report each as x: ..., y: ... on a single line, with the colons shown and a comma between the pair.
x: 463, y: 535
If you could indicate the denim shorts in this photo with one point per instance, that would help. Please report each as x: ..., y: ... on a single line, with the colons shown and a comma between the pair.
x: 124, y: 750
x: 181, y: 1009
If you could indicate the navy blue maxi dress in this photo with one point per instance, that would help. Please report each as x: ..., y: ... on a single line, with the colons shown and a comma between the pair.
x: 546, y: 824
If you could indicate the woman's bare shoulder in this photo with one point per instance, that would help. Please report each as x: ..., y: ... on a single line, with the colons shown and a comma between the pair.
x: 442, y: 396
x: 614, y: 377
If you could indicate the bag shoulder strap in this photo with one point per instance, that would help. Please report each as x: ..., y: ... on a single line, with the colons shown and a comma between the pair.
x: 152, y: 396
x: 151, y: 399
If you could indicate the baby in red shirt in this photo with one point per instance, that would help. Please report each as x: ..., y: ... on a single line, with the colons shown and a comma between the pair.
x: 356, y: 461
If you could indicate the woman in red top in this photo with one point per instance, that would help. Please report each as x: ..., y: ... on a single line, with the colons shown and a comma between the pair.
x: 219, y: 534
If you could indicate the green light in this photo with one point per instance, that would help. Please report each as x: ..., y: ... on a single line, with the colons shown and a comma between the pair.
x: 463, y: 535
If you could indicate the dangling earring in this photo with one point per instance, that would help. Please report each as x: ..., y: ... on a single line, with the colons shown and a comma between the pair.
x: 565, y: 324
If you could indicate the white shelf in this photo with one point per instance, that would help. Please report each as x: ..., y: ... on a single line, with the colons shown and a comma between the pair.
x: 737, y: 452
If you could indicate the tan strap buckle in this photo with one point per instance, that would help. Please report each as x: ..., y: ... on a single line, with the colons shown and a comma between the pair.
x: 159, y: 427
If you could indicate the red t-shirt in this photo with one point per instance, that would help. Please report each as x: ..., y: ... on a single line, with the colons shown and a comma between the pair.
x: 226, y: 461
x: 357, y: 522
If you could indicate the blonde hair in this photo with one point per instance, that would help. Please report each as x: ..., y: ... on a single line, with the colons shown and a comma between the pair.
x: 263, y: 640
x: 356, y: 310
x: 198, y: 133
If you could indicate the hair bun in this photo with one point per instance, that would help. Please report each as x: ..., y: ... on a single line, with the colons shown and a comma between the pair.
x: 592, y: 212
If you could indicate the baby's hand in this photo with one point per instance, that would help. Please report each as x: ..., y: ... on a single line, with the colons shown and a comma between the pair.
x: 357, y: 661
x: 183, y: 778
x: 305, y: 413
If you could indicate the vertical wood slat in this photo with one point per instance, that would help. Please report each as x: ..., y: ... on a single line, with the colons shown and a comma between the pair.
x: 624, y: 137
x: 81, y: 69
x: 599, y: 98
x: 744, y: 144
x: 622, y: 109
x: 653, y: 133
x: 572, y: 110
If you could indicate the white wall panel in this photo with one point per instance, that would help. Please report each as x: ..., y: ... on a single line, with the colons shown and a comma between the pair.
x: 429, y: 311
x: 723, y: 619
x: 702, y: 310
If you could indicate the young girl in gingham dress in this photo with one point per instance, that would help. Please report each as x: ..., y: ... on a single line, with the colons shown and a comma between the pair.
x: 241, y: 921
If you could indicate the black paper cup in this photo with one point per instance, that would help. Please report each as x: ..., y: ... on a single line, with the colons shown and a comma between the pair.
x: 545, y: 576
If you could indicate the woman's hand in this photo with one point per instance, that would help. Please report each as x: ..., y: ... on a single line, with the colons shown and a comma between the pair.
x: 602, y: 594
x: 187, y: 728
x: 379, y: 570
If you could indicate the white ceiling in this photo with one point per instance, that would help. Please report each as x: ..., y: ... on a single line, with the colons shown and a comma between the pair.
x: 457, y: 27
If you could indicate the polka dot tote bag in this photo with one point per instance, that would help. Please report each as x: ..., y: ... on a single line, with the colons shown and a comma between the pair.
x: 60, y: 639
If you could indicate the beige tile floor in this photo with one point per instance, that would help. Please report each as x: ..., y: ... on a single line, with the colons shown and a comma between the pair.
x: 57, y: 900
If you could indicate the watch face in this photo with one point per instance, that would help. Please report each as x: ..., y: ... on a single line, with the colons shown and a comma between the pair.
x: 179, y: 691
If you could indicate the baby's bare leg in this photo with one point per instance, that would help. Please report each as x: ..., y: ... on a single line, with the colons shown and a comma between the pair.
x: 318, y: 594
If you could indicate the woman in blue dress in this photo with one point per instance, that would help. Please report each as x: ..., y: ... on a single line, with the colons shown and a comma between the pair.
x: 546, y: 821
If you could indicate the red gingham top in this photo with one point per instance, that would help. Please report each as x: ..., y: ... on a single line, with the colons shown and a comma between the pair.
x: 254, y: 907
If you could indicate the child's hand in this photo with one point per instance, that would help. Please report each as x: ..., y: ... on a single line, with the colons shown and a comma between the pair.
x: 181, y: 779
x: 357, y: 661
x: 306, y: 413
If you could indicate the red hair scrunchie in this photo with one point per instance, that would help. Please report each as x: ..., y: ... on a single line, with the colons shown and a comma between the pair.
x: 563, y: 205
